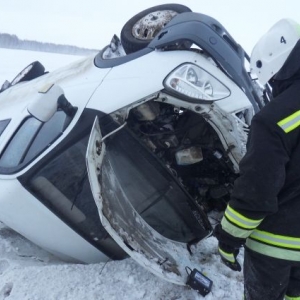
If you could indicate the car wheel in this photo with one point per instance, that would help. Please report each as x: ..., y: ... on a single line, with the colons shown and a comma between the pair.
x: 138, y: 32
x: 32, y: 71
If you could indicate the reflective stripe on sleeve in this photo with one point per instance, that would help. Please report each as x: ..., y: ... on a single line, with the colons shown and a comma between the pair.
x: 234, y: 230
x: 227, y: 256
x: 276, y: 240
x: 238, y: 225
x: 291, y: 122
x: 240, y: 220
x: 291, y: 298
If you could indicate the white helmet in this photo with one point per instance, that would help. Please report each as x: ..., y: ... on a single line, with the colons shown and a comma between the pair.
x: 272, y: 50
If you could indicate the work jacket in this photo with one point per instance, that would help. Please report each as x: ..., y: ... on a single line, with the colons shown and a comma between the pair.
x: 265, y: 203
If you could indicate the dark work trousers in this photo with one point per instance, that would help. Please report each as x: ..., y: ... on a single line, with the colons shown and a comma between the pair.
x: 267, y: 278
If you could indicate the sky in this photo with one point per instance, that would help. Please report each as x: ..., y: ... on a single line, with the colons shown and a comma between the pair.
x: 92, y: 23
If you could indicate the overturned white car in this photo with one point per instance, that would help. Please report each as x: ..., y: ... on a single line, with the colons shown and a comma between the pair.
x: 119, y: 155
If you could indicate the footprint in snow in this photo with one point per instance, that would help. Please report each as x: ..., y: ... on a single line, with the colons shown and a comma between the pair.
x: 6, y: 290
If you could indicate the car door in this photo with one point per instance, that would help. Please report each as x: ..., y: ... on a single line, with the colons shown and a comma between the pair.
x: 141, y: 205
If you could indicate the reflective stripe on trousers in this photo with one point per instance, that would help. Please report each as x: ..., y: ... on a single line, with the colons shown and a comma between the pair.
x: 278, y: 246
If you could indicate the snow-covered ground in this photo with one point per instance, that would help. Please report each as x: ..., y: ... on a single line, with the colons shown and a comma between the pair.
x: 13, y: 61
x: 30, y: 273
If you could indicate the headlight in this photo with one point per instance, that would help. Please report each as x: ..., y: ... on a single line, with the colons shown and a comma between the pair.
x: 196, y: 83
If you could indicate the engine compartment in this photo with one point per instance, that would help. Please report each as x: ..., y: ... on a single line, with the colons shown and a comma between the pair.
x: 190, y: 149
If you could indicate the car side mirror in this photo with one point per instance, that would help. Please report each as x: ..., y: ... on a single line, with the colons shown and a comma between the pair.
x: 44, y: 105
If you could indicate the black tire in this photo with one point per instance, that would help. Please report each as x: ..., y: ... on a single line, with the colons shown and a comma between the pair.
x: 33, y: 70
x: 131, y: 43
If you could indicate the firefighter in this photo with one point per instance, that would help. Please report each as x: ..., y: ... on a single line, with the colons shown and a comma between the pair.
x: 263, y: 214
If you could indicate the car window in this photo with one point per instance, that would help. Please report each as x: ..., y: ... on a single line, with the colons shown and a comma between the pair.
x: 48, y: 133
x: 3, y: 125
x: 31, y: 138
x: 12, y: 156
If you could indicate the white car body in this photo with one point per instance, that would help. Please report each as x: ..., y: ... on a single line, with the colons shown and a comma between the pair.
x: 112, y: 91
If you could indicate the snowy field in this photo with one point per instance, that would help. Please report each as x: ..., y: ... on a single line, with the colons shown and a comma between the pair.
x: 30, y: 273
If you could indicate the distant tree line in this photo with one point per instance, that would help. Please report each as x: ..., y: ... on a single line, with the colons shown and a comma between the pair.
x: 11, y: 41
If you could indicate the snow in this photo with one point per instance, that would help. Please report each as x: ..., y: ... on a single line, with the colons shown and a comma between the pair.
x: 28, y: 272
x: 13, y: 61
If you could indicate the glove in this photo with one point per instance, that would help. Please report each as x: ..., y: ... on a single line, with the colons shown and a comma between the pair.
x: 228, y: 248
x: 228, y: 257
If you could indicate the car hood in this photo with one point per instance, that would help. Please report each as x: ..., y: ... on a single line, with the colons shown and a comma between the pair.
x: 142, y: 208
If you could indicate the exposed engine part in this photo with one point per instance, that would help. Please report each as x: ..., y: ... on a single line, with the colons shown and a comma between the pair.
x: 170, y: 141
x: 218, y: 192
x: 148, y: 111
x: 217, y: 154
x: 189, y: 156
x: 189, y: 147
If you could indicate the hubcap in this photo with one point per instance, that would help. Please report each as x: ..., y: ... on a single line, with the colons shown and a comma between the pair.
x: 148, y: 27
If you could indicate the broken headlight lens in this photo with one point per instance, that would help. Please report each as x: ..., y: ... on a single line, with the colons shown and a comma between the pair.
x: 194, y: 82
